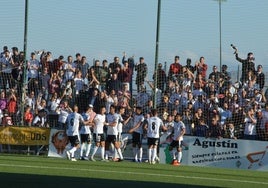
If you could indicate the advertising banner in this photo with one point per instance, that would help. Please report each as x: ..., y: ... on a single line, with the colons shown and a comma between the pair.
x: 58, y: 144
x: 226, y: 153
x: 24, y: 136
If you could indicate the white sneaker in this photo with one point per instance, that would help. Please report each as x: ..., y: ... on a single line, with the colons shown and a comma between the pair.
x: 73, y: 159
x: 92, y: 159
x: 157, y: 159
x: 68, y: 154
x: 104, y: 160
x: 85, y: 158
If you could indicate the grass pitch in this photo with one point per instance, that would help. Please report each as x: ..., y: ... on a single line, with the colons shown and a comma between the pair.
x: 38, y: 171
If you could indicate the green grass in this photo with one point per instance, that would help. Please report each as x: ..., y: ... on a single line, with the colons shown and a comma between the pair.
x: 33, y: 171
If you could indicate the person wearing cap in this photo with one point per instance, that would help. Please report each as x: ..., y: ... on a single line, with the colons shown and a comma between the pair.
x: 260, y: 77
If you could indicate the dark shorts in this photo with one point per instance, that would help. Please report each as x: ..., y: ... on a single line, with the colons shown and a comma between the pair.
x: 175, y: 144
x: 112, y: 138
x: 85, y: 138
x: 136, y: 138
x: 98, y: 138
x: 74, y: 140
x: 153, y: 141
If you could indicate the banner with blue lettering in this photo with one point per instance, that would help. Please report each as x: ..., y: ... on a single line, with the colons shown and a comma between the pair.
x: 226, y: 153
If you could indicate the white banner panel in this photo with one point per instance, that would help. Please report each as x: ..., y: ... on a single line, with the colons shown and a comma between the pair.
x: 226, y: 153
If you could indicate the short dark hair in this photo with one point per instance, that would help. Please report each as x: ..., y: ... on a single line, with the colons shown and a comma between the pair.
x: 154, y: 111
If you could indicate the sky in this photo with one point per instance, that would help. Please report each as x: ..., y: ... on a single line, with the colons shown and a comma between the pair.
x: 102, y: 29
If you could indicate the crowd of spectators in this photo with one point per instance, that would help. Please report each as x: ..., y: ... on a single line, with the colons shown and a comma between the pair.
x: 210, y: 103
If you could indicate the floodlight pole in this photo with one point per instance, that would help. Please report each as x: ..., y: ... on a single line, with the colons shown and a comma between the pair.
x: 24, y: 81
x: 220, y: 33
x: 220, y: 1
x: 156, y: 53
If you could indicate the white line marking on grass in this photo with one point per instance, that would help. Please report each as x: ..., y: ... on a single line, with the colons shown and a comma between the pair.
x: 135, y: 173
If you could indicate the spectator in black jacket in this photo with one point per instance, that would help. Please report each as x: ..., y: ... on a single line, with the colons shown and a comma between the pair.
x: 260, y: 77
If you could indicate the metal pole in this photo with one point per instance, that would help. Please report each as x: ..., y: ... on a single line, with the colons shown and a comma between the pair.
x: 220, y: 34
x: 220, y: 1
x: 156, y: 51
x: 24, y: 82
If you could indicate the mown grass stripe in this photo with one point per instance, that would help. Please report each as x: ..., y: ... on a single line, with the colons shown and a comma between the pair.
x: 136, y: 173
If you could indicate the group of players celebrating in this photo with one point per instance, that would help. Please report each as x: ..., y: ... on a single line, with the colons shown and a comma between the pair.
x: 82, y: 124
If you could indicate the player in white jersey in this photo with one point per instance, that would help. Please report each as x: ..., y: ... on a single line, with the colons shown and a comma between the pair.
x: 112, y: 133
x: 179, y: 131
x: 152, y: 127
x: 72, y: 131
x: 98, y: 136
x: 85, y: 134
x: 137, y: 132
x: 123, y: 120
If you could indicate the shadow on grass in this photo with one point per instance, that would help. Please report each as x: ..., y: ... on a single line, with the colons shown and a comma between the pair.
x: 11, y: 180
